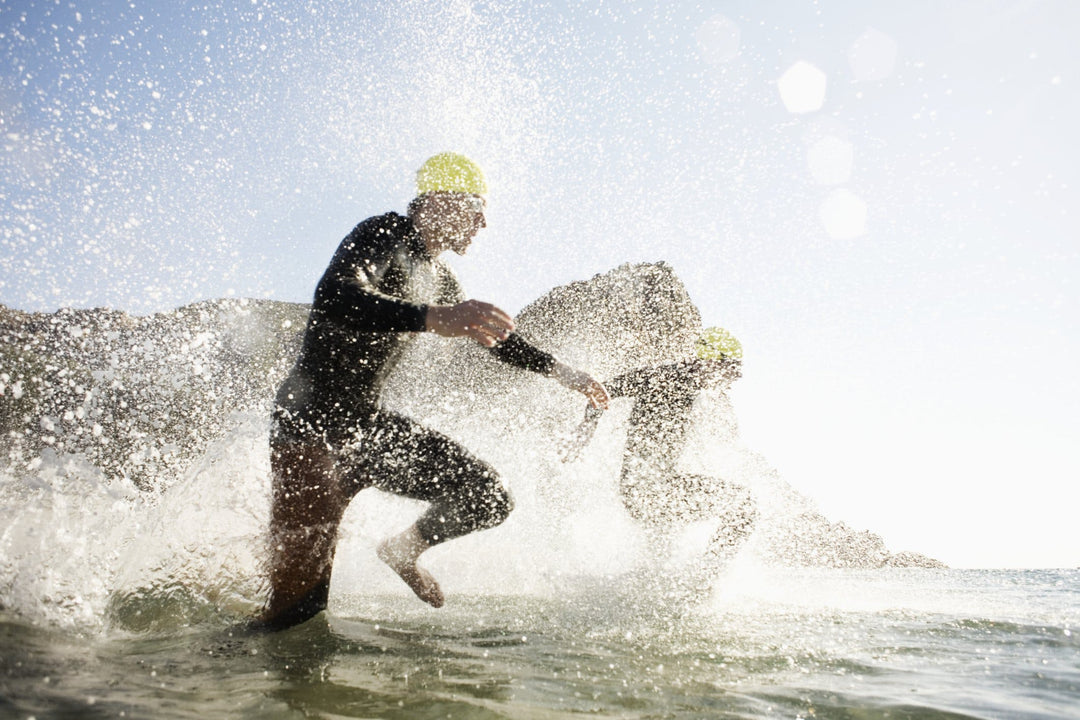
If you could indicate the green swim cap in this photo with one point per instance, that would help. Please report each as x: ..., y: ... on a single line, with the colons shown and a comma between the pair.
x: 450, y: 172
x: 716, y: 343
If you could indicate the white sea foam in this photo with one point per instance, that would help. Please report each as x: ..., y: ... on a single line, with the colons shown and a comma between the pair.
x: 76, y: 544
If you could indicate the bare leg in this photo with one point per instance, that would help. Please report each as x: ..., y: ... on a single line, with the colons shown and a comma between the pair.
x: 307, y: 508
x: 400, y: 553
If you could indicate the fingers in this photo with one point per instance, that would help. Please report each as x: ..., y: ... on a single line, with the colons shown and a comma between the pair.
x: 583, y: 383
x: 597, y: 395
x: 487, y: 331
x: 481, y: 321
x: 496, y: 317
x: 484, y: 322
x: 485, y: 336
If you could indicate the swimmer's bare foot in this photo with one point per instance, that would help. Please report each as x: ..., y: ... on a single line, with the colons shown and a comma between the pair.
x: 400, y: 553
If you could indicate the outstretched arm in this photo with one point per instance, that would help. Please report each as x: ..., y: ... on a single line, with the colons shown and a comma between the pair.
x: 670, y: 383
x: 583, y: 383
x: 494, y: 329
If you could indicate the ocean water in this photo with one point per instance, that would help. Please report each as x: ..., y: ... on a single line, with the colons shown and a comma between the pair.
x: 120, y: 602
x: 916, y: 643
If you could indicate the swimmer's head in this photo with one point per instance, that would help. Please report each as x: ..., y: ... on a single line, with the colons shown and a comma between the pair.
x: 716, y: 343
x: 449, y: 206
x: 450, y: 173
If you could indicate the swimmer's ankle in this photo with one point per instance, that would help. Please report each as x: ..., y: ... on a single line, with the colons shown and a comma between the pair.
x: 403, y: 548
x: 400, y: 553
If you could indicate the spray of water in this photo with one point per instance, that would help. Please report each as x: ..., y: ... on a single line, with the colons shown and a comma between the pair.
x: 161, y: 156
x: 141, y: 498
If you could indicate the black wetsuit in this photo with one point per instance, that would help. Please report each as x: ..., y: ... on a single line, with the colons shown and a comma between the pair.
x: 369, y: 302
x: 652, y: 489
x: 374, y: 293
x: 331, y: 438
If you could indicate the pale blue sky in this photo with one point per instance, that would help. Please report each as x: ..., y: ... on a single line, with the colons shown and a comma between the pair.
x: 914, y: 375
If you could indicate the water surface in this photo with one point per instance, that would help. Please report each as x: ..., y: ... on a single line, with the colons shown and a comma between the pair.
x: 763, y: 644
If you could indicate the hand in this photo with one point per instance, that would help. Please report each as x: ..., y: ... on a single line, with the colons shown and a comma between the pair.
x: 481, y: 321
x: 583, y: 383
x: 597, y: 394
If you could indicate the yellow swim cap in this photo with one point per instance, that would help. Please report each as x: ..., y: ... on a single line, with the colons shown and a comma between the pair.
x: 716, y: 343
x: 450, y: 172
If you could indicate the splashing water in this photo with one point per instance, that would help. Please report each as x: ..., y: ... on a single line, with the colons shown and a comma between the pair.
x: 101, y: 531
x: 79, y: 549
x: 157, y: 154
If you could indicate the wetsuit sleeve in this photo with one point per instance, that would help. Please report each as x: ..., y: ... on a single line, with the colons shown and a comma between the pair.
x: 514, y: 350
x: 349, y: 294
x: 631, y: 384
x: 677, y: 378
x: 519, y: 352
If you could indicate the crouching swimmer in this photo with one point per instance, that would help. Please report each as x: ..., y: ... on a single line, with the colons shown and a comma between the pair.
x: 331, y: 437
x: 652, y: 490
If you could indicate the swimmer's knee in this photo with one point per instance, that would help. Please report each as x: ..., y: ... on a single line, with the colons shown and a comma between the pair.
x: 500, y: 506
x: 641, y: 501
x: 495, y: 501
x: 494, y: 507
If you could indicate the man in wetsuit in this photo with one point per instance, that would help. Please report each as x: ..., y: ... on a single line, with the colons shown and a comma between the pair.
x: 331, y: 437
x: 652, y: 490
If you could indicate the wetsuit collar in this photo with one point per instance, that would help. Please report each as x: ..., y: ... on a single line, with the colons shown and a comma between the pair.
x: 415, y: 242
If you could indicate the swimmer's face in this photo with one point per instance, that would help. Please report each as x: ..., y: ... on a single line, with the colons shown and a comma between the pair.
x: 450, y: 221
